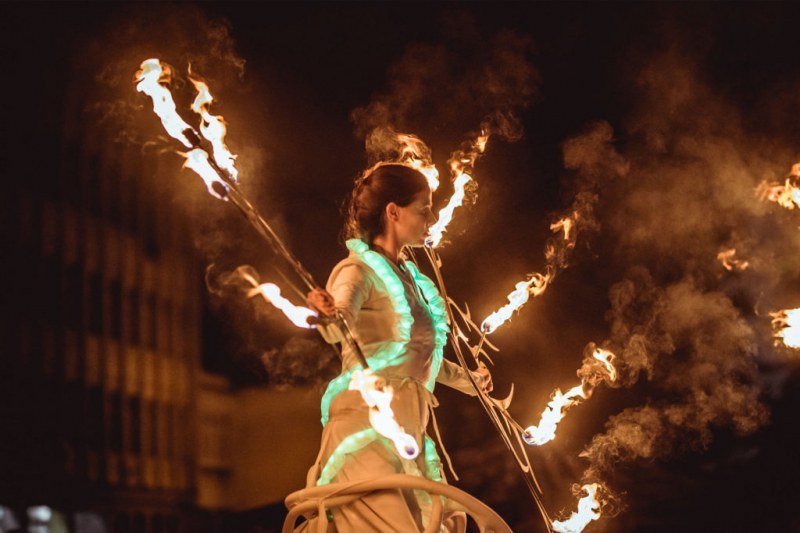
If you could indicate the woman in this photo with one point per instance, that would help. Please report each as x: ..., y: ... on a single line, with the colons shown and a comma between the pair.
x: 399, y: 320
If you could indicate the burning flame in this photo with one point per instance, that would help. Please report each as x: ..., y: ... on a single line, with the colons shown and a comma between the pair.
x: 787, y: 194
x: 535, y: 286
x: 272, y: 293
x: 197, y: 160
x: 213, y: 128
x: 378, y: 397
x: 594, y: 370
x: 787, y: 327
x: 461, y: 164
x: 565, y: 224
x: 150, y: 79
x: 415, y: 154
x: 588, y: 510
x: 726, y: 257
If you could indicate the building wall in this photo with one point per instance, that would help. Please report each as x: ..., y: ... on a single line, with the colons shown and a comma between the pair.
x: 101, y: 331
x: 256, y: 445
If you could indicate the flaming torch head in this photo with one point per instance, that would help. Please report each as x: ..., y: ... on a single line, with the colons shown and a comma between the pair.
x: 300, y: 316
x: 213, y: 128
x: 378, y: 397
x: 197, y: 160
x: 516, y: 299
x: 151, y: 79
x: 588, y: 510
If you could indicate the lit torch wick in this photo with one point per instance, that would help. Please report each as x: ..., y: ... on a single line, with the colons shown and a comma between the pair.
x: 378, y: 396
x: 461, y: 164
x: 559, y: 404
x: 588, y: 510
x: 150, y: 79
x: 213, y: 128
x: 516, y: 299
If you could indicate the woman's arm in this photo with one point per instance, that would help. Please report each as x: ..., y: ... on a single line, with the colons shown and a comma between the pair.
x: 348, y: 288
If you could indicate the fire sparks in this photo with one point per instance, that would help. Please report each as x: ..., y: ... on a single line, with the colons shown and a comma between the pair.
x: 786, y: 324
x: 588, y: 510
x: 272, y: 293
x: 535, y: 286
x: 150, y: 79
x: 726, y: 257
x: 378, y: 397
x: 213, y: 128
x: 461, y: 164
x: 787, y: 194
x: 595, y: 368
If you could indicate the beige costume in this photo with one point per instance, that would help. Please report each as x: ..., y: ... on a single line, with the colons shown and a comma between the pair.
x: 396, y: 327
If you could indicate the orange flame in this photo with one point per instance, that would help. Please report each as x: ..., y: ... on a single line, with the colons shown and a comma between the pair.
x: 787, y: 194
x: 786, y: 324
x: 272, y: 293
x: 151, y: 80
x: 378, y: 396
x: 565, y: 224
x: 415, y: 154
x: 213, y: 128
x: 726, y: 257
x: 535, y: 286
x: 461, y: 164
x: 197, y: 160
x: 588, y: 510
x: 559, y: 404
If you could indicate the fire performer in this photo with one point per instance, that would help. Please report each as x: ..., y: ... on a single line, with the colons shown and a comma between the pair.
x: 400, y: 321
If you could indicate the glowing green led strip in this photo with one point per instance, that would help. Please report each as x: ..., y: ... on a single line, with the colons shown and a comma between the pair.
x: 388, y: 356
x: 350, y: 444
x: 438, y: 311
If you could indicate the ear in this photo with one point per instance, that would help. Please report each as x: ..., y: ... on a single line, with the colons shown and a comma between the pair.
x: 391, y: 211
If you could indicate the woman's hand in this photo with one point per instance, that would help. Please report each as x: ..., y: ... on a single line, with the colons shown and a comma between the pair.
x: 323, y: 301
x: 484, y: 378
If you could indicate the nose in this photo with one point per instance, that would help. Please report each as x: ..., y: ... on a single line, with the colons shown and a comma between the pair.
x: 430, y: 219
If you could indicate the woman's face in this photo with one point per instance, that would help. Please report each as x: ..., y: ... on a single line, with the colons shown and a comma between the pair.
x: 414, y: 220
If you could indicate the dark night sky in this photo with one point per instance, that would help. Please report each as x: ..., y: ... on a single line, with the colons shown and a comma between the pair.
x: 703, y: 100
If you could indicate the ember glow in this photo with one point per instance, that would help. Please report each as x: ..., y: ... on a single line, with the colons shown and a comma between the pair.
x: 461, y: 164
x: 600, y: 366
x: 786, y: 194
x: 588, y: 510
x: 786, y: 324
x: 213, y: 128
x: 535, y: 286
x: 151, y: 79
x: 729, y: 261
x: 378, y: 397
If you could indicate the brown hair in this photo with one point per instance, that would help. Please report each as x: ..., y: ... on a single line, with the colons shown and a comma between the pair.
x: 366, y: 208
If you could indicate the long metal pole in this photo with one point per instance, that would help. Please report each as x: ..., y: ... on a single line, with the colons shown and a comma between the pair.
x: 229, y: 190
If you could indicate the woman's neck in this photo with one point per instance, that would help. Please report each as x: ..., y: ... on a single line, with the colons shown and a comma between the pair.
x: 388, y: 246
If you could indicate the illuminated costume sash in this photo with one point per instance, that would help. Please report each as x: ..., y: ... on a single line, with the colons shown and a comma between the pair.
x: 392, y: 354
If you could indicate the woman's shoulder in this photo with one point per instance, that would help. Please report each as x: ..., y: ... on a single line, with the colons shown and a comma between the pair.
x: 353, y: 269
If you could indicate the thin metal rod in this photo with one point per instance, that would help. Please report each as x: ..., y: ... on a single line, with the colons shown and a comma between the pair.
x: 230, y: 191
